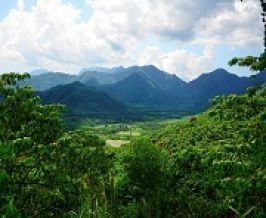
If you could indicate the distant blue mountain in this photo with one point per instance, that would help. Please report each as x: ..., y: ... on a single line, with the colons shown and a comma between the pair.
x: 38, y: 72
x: 146, y: 85
x: 152, y: 87
x: 48, y: 80
x: 101, y: 70
x: 219, y: 82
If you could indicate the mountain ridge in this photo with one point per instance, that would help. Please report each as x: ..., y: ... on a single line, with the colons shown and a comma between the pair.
x: 149, y: 86
x: 79, y: 99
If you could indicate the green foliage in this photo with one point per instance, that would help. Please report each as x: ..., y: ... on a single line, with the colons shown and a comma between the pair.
x: 211, y: 166
x: 142, y: 189
x: 23, y: 116
x: 219, y: 160
x: 254, y: 63
x: 43, y: 171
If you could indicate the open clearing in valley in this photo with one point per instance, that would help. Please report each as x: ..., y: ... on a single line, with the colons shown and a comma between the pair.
x: 116, y: 143
x: 129, y: 133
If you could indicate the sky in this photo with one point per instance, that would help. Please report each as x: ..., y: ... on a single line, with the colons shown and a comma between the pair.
x: 181, y: 37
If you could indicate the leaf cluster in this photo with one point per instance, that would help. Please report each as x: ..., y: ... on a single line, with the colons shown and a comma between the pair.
x: 43, y: 170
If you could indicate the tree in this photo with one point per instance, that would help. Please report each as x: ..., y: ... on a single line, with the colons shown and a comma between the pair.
x: 143, y: 191
x: 43, y: 171
x: 22, y: 115
x: 254, y: 63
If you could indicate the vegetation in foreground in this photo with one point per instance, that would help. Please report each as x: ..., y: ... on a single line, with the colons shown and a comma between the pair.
x: 209, y: 166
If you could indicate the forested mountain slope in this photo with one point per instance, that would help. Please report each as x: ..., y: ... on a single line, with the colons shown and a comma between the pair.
x: 147, y: 86
x: 79, y: 99
x: 219, y: 82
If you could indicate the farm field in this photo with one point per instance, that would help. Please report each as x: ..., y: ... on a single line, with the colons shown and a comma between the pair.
x: 118, y: 134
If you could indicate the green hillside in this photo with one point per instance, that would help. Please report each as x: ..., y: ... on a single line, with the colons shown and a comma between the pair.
x: 218, y: 159
x: 211, y: 165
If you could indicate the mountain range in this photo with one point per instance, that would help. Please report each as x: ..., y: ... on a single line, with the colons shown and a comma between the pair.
x: 117, y: 89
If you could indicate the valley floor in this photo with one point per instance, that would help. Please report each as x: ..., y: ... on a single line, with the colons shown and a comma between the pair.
x: 118, y: 134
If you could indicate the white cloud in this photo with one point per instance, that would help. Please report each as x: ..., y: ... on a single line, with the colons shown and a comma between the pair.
x: 53, y: 35
x: 237, y: 26
x: 20, y: 5
x: 174, y: 19
x: 182, y: 63
x: 11, y: 61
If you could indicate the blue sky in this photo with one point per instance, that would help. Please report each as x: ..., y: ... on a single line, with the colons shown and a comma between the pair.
x: 7, y: 5
x: 181, y: 37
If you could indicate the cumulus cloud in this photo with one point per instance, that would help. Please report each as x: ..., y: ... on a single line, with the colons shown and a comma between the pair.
x: 20, y: 5
x: 52, y: 34
x: 237, y: 26
x: 180, y: 62
x: 42, y: 34
x: 171, y: 20
x: 11, y: 61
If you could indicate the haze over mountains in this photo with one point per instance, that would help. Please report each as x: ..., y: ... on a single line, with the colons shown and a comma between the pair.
x: 109, y: 90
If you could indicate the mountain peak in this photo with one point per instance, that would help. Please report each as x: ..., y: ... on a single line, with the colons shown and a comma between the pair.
x: 102, y: 69
x: 222, y: 71
x: 219, y: 73
x: 152, y: 67
x: 38, y: 72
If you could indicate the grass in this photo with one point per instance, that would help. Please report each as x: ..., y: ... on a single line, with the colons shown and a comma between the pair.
x: 116, y: 143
